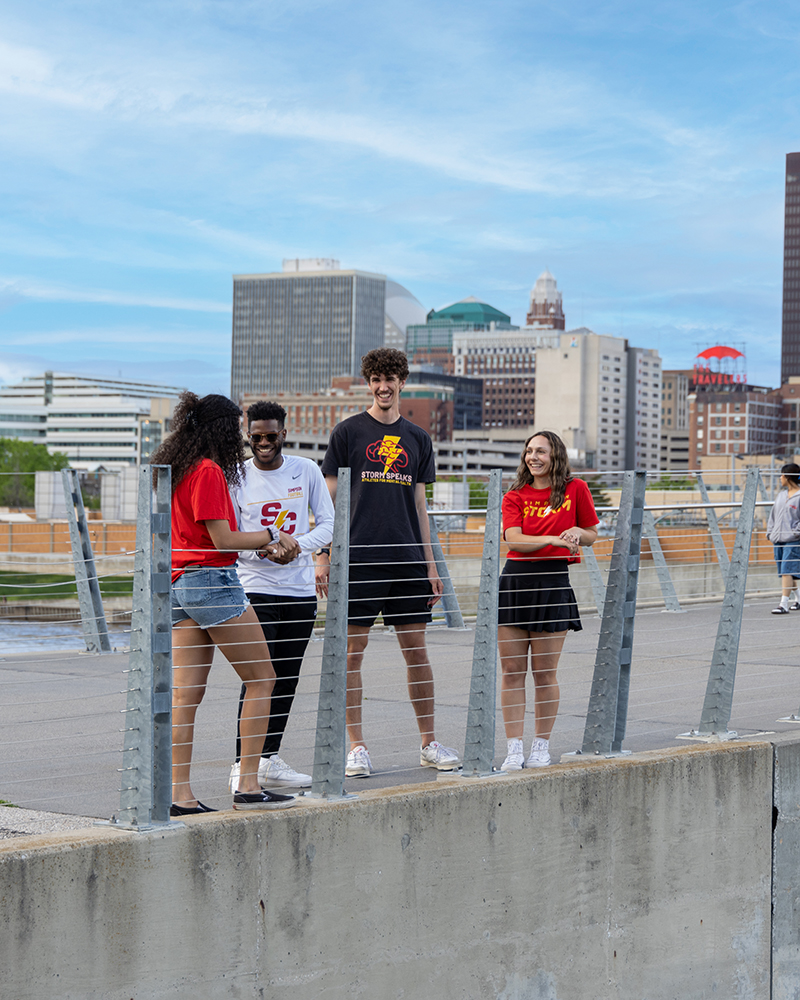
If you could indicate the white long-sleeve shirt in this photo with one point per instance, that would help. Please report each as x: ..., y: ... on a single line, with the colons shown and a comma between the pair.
x: 282, y: 499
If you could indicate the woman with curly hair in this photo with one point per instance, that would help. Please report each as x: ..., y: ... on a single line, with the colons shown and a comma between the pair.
x: 209, y: 608
x: 547, y: 516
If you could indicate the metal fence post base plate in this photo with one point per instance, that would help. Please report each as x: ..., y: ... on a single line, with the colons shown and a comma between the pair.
x: 570, y: 755
x: 473, y: 774
x: 729, y: 734
x: 789, y: 718
x: 314, y: 798
x: 115, y: 824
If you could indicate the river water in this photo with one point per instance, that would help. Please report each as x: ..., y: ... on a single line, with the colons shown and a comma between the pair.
x: 28, y: 637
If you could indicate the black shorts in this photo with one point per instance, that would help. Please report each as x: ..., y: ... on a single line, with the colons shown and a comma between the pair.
x: 400, y: 592
x: 536, y: 595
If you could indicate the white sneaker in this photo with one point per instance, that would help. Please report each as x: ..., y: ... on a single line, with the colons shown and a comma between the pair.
x: 442, y: 758
x: 515, y: 760
x: 272, y: 771
x: 540, y: 754
x: 358, y: 763
x: 277, y: 772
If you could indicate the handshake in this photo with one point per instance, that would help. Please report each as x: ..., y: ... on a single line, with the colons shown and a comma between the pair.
x: 284, y: 551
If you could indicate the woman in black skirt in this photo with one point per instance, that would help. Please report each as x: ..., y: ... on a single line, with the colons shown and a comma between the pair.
x: 547, y: 516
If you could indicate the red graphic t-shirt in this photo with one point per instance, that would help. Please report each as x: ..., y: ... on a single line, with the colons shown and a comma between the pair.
x: 202, y: 495
x: 529, y: 510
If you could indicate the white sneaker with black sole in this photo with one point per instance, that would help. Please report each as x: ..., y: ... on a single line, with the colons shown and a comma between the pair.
x: 263, y: 800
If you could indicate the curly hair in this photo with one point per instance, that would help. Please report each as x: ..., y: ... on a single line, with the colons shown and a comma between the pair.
x: 384, y: 361
x: 203, y: 428
x: 263, y: 410
x: 560, y: 472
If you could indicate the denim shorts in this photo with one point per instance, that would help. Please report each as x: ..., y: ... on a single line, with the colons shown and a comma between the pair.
x: 209, y: 596
x: 787, y: 558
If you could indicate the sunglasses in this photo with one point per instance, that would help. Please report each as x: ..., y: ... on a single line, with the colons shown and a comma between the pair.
x: 259, y: 438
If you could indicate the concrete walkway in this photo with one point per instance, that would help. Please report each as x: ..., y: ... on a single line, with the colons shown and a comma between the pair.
x: 61, y: 714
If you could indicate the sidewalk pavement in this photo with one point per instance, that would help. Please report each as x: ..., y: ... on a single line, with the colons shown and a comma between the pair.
x: 61, y: 714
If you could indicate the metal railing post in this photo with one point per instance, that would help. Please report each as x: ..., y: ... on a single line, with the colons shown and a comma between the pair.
x: 671, y: 602
x: 452, y: 612
x: 595, y: 578
x: 146, y: 792
x: 606, y: 718
x: 721, y: 677
x: 93, y: 619
x: 716, y: 535
x: 329, y: 745
x: 479, y: 742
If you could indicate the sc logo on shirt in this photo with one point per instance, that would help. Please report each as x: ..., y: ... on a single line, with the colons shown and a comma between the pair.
x: 273, y: 515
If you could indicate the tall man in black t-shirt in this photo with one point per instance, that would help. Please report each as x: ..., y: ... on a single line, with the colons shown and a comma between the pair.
x: 392, y: 569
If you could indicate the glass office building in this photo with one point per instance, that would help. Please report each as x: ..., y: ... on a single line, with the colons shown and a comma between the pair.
x: 294, y: 331
x: 790, y: 330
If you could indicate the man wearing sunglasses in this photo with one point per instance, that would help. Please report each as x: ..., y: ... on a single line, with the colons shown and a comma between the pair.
x: 277, y: 490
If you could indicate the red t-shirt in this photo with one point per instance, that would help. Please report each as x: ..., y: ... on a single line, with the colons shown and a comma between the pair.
x: 202, y: 495
x: 529, y: 510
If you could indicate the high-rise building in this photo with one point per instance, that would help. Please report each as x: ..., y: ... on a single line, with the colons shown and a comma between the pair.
x: 790, y: 327
x: 744, y: 420
x: 643, y: 416
x: 296, y: 330
x: 602, y: 398
x: 546, y: 311
x: 431, y: 342
x: 675, y: 385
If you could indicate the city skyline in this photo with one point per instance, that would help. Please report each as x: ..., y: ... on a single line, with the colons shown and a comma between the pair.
x: 152, y: 152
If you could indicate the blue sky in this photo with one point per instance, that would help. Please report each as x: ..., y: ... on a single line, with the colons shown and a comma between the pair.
x: 152, y: 150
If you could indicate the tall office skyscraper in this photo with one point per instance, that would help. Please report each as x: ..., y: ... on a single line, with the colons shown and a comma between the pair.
x: 603, y: 398
x: 790, y: 329
x: 295, y: 330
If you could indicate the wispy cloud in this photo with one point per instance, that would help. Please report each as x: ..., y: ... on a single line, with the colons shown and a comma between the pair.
x: 17, y: 289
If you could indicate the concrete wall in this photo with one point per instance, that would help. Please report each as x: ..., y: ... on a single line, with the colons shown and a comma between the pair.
x: 641, y: 877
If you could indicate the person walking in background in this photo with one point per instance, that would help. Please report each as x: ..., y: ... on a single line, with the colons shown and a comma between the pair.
x: 277, y: 490
x: 783, y: 530
x: 209, y: 607
x: 547, y: 516
x: 392, y: 569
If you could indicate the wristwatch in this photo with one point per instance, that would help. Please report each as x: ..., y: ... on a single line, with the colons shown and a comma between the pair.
x: 326, y: 550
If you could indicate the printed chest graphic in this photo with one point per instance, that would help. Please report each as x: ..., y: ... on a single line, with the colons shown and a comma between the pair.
x: 390, y: 458
x: 535, y: 508
x: 282, y: 513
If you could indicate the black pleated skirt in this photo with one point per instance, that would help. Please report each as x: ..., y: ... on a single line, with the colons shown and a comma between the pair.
x: 535, y: 595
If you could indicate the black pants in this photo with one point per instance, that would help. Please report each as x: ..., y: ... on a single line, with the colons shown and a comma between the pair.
x: 287, y: 623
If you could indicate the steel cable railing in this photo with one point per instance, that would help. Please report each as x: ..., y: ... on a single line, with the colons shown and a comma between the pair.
x: 670, y: 658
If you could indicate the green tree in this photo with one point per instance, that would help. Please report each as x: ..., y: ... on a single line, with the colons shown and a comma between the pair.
x: 599, y: 495
x: 673, y: 483
x: 19, y: 460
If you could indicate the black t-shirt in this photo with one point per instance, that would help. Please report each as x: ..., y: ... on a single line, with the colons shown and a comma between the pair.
x: 386, y: 462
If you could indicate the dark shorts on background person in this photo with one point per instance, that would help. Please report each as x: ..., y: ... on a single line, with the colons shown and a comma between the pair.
x: 208, y: 596
x: 787, y: 558
x: 536, y: 595
x: 402, y: 593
